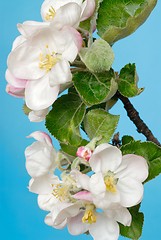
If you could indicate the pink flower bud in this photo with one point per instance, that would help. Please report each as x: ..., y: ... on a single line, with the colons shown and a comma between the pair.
x: 84, y: 152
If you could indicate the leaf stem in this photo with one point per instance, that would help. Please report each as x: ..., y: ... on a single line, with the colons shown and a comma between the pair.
x: 135, y: 118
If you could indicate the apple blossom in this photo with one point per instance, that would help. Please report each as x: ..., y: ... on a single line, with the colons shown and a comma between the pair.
x: 43, y: 60
x: 67, y: 12
x: 117, y: 178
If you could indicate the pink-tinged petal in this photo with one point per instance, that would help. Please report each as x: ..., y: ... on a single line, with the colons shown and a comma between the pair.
x: 60, y: 73
x: 84, y: 152
x: 14, y: 91
x: 133, y: 166
x: 46, y: 202
x: 49, y: 221
x: 23, y: 62
x: 38, y: 116
x: 97, y: 185
x: 39, y: 95
x: 40, y: 185
x: 120, y: 214
x: 76, y: 226
x: 71, y: 13
x: 41, y: 137
x: 15, y: 82
x: 88, y: 8
x: 131, y: 192
x: 106, y: 160
x: 30, y: 28
x: 83, y: 195
x: 64, y: 210
x: 104, y: 228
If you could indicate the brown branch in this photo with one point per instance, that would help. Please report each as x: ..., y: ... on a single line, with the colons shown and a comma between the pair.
x: 135, y: 118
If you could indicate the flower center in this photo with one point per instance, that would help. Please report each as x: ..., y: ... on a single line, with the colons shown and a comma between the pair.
x: 110, y: 182
x: 89, y: 215
x: 47, y: 60
x: 60, y: 191
x: 50, y: 14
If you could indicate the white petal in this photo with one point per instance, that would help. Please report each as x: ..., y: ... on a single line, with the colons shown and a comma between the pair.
x: 104, y: 228
x: 131, y: 192
x: 105, y: 160
x: 48, y: 221
x: 76, y: 226
x: 46, y: 202
x: 23, y: 62
x: 41, y: 185
x: 38, y: 116
x: 29, y: 28
x: 88, y: 8
x: 18, y: 41
x: 71, y: 13
x: 120, y: 214
x: 41, y: 137
x: 39, y: 95
x: 133, y: 166
x: 82, y: 180
x: 15, y: 82
x: 63, y: 211
x: 60, y: 73
x: 97, y: 185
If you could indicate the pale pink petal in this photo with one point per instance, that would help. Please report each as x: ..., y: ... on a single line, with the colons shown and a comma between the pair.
x: 133, y: 166
x: 88, y: 8
x: 83, y: 195
x: 131, y: 192
x: 60, y: 73
x: 106, y: 160
x: 14, y: 91
x: 39, y: 95
x: 15, y: 82
x: 41, y: 137
x: 104, y: 228
x: 76, y: 226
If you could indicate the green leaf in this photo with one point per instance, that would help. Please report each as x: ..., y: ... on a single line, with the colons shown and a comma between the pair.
x: 126, y: 139
x: 99, y: 57
x: 150, y: 151
x: 71, y: 150
x: 119, y: 18
x: 135, y: 230
x: 95, y: 88
x: 99, y: 123
x: 64, y: 119
x: 128, y: 79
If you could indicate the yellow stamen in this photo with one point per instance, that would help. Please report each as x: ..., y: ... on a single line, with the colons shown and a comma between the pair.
x: 47, y: 61
x: 60, y: 192
x: 110, y: 183
x: 89, y: 215
x: 51, y: 14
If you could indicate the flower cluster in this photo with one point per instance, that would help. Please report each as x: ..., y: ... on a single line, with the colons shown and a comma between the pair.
x: 94, y: 202
x: 39, y: 63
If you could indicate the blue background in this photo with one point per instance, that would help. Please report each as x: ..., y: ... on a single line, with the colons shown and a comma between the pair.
x: 20, y: 216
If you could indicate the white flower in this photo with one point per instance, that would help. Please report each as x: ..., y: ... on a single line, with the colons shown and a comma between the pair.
x: 67, y: 12
x: 38, y: 116
x: 40, y: 156
x: 117, y: 178
x: 43, y: 60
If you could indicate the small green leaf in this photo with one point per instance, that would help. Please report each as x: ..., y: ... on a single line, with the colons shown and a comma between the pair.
x: 135, y: 230
x: 126, y: 139
x: 99, y: 123
x: 64, y: 119
x: 119, y: 18
x: 150, y: 151
x: 99, y: 57
x: 95, y: 88
x: 128, y: 79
